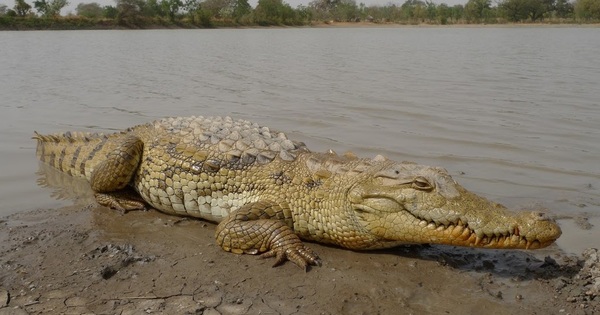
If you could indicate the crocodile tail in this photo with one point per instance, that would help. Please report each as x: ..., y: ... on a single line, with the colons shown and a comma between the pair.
x: 70, y: 152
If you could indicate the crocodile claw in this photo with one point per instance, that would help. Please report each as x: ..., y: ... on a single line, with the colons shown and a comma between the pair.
x: 300, y: 255
x: 119, y: 202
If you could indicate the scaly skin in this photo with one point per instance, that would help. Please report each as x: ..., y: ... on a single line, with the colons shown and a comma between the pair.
x: 267, y: 192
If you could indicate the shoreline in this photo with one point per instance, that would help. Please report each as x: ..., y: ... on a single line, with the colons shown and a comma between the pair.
x: 457, y: 25
x: 88, y: 259
x: 65, y: 23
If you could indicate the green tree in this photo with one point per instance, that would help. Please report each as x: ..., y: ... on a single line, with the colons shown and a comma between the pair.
x: 90, y: 10
x: 130, y: 10
x: 154, y: 8
x: 457, y: 12
x: 431, y: 9
x: 197, y: 14
x: 548, y: 5
x: 22, y: 8
x: 191, y: 7
x: 536, y: 9
x: 204, y: 18
x: 345, y: 10
x: 524, y: 10
x: 241, y: 8
x: 50, y: 8
x: 563, y: 9
x: 3, y: 9
x: 324, y: 6
x: 587, y: 10
x: 217, y: 8
x: 171, y: 7
x: 478, y: 10
x: 513, y: 10
x: 273, y: 12
x: 229, y: 9
x: 323, y: 9
x: 304, y: 14
x: 110, y: 12
x: 413, y: 9
x: 443, y: 13
x: 392, y: 13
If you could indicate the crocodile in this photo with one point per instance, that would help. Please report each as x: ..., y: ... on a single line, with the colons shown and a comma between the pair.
x: 267, y: 193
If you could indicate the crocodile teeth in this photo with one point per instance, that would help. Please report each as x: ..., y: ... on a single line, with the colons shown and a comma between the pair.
x: 466, y: 234
x: 478, y: 240
x: 457, y: 231
x: 497, y: 239
x: 461, y: 231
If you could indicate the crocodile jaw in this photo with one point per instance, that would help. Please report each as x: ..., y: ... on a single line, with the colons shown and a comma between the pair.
x: 529, y: 230
x: 497, y: 228
x: 440, y: 211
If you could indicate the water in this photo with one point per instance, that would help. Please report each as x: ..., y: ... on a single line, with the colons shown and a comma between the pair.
x: 513, y: 113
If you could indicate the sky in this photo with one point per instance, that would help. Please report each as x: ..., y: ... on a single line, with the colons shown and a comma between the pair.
x: 293, y: 3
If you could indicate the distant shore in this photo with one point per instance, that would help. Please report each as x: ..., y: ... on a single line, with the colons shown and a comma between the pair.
x: 78, y: 23
x: 392, y: 25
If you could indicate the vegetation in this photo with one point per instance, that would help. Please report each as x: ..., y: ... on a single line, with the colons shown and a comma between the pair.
x: 51, y: 8
x: 232, y: 13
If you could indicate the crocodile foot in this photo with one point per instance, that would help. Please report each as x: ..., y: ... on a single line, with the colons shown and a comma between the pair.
x: 119, y: 201
x: 260, y: 228
x: 299, y: 254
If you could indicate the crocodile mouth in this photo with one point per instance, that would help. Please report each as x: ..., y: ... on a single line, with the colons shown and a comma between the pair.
x: 526, y: 230
x: 460, y: 234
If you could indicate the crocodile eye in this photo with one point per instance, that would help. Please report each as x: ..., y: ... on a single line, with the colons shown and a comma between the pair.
x: 421, y: 183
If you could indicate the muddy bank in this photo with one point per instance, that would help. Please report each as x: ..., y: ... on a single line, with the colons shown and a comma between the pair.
x: 92, y: 260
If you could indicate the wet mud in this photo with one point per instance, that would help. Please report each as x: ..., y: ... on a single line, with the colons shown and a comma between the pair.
x: 90, y: 259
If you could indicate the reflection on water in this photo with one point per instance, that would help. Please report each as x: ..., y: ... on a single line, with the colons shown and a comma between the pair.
x: 64, y: 187
x: 512, y: 113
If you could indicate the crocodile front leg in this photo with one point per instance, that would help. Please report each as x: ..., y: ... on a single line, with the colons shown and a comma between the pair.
x: 261, y: 227
x: 114, y: 173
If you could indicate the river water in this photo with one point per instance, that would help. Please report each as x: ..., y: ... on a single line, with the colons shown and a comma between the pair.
x: 513, y: 113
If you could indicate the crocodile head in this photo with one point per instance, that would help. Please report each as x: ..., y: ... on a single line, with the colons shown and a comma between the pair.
x: 416, y: 204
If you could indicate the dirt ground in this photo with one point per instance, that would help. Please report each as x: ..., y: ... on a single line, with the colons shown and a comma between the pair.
x: 91, y: 260
x: 81, y: 260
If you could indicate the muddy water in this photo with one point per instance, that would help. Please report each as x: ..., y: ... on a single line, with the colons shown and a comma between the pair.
x: 512, y: 113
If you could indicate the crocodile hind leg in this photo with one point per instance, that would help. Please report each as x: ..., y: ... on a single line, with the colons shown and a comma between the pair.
x: 111, y: 176
x: 261, y: 227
